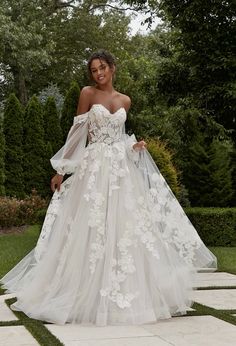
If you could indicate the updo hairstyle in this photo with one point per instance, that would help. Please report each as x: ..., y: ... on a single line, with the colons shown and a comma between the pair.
x: 101, y: 55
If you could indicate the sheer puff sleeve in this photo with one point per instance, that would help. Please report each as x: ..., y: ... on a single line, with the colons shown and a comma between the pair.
x: 65, y: 161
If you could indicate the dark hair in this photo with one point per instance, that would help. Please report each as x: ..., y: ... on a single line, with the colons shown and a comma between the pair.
x: 101, y: 55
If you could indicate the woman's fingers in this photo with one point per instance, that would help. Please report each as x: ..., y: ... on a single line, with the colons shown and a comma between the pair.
x: 55, y: 184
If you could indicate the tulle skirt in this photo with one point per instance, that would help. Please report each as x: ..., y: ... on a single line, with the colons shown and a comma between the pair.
x: 115, y: 247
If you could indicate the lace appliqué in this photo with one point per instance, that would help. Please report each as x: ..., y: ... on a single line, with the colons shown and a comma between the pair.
x: 96, y: 223
x: 116, y: 170
x: 50, y: 218
x: 164, y: 207
x: 108, y: 132
x: 121, y: 268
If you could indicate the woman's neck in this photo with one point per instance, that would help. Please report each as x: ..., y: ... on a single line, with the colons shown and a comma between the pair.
x: 108, y: 88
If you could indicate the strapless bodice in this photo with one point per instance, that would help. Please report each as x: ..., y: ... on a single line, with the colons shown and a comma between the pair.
x: 104, y: 126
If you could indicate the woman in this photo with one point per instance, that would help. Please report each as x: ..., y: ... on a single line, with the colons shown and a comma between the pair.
x: 116, y: 246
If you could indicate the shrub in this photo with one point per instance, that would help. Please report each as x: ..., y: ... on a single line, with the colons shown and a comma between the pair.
x: 18, y: 212
x: 215, y: 226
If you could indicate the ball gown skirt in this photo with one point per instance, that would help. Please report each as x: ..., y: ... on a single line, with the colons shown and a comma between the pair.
x: 115, y: 247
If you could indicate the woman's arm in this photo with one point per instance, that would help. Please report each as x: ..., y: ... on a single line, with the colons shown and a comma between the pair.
x: 84, y: 102
x: 83, y: 107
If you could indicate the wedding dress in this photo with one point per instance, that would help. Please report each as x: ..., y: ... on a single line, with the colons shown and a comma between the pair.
x: 115, y: 247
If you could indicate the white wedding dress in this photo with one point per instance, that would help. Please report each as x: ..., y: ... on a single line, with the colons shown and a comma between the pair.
x: 115, y: 247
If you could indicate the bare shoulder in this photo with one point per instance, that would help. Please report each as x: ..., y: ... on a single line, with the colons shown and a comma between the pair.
x: 85, y: 98
x: 87, y: 90
x: 126, y: 101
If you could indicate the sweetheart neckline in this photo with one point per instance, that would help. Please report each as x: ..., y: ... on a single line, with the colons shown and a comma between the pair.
x: 100, y: 104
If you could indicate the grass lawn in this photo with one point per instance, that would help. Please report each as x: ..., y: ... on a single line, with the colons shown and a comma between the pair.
x: 226, y: 257
x: 13, y: 247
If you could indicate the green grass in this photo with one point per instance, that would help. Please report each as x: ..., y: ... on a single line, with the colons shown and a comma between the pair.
x: 13, y: 247
x: 226, y: 257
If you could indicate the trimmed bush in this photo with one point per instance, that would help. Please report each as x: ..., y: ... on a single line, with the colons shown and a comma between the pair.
x: 215, y: 226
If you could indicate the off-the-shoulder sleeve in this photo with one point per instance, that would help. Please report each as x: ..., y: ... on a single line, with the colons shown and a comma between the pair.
x: 67, y: 158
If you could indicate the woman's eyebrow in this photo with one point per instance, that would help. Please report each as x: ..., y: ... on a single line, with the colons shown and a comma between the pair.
x: 95, y: 68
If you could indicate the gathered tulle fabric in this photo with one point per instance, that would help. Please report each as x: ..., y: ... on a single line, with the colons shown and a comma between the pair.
x: 115, y: 247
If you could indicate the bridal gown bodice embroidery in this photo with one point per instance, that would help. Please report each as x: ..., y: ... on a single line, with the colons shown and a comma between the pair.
x: 103, y: 126
x: 115, y: 247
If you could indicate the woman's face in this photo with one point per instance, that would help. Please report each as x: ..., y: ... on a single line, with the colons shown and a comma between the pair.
x: 101, y: 72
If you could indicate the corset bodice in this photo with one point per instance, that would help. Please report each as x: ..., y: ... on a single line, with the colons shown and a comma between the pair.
x: 104, y: 126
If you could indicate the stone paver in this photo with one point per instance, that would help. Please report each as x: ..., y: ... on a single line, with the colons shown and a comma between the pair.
x: 16, y: 336
x: 222, y: 299
x: 195, y: 331
x: 146, y: 341
x: 84, y: 332
x: 179, y: 331
x: 6, y: 296
x: 215, y: 279
x: 5, y: 312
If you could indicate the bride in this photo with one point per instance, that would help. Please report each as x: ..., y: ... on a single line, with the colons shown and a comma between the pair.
x: 115, y: 247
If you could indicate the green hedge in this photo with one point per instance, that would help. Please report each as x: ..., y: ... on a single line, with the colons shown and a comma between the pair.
x: 215, y: 226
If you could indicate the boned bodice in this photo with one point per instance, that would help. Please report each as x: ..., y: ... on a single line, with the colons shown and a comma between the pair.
x: 104, y: 126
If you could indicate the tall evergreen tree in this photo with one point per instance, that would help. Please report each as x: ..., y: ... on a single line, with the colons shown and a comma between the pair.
x: 52, y: 137
x: 196, y: 174
x: 208, y: 176
x: 2, y: 165
x: 233, y: 161
x: 52, y: 128
x: 221, y: 174
x: 34, y: 148
x: 13, y: 132
x: 69, y: 108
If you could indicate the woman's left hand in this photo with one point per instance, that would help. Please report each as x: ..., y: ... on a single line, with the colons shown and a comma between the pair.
x: 139, y: 145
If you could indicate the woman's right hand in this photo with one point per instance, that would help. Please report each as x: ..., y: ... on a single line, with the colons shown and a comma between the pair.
x: 56, y: 182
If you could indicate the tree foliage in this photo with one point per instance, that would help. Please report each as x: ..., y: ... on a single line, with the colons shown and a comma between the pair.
x: 43, y: 42
x: 206, y: 47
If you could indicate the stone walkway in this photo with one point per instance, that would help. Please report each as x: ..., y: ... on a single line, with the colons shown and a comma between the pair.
x: 178, y: 331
